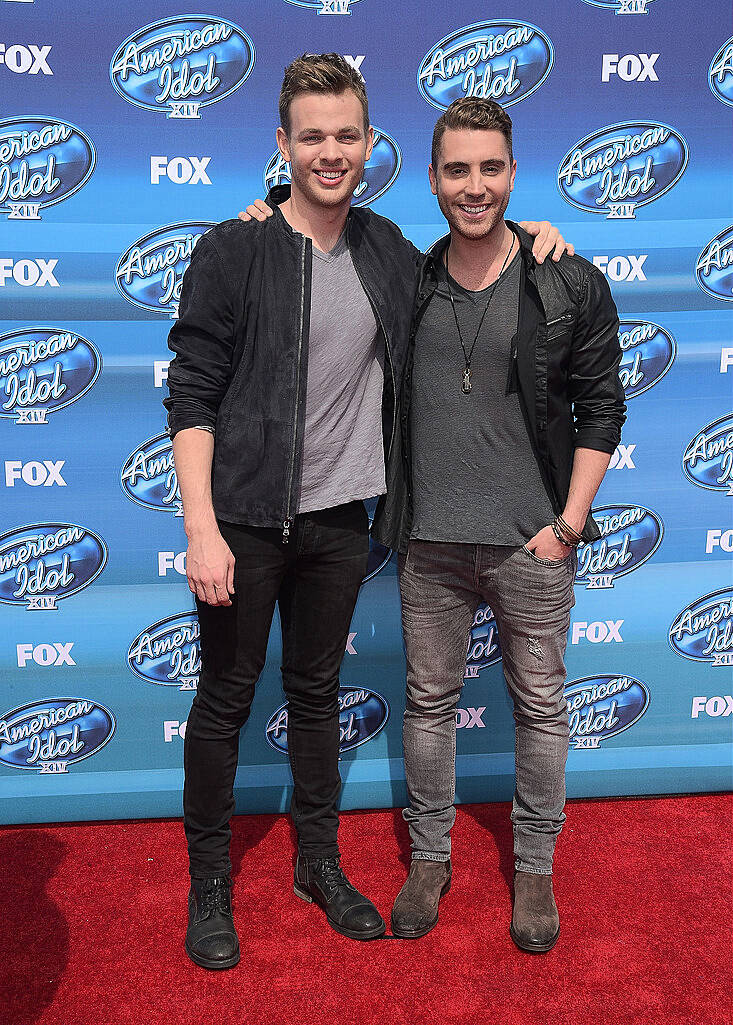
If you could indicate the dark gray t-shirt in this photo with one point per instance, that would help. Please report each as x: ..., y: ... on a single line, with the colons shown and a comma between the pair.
x: 475, y: 477
x: 343, y: 450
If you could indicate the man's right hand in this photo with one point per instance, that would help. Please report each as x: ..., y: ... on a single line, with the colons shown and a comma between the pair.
x: 258, y: 211
x: 210, y: 568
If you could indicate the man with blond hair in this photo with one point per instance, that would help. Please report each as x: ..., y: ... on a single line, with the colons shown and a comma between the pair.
x: 290, y: 346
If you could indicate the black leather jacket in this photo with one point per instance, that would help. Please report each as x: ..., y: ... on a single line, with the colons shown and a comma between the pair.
x: 241, y: 345
x: 565, y: 359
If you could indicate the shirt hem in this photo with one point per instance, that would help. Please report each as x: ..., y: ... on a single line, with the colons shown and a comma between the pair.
x: 332, y: 503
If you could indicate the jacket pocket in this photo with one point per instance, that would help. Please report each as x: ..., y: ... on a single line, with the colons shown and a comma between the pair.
x: 559, y: 326
x: 567, y: 316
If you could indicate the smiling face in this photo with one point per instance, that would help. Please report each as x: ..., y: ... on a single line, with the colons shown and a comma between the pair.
x: 473, y: 180
x: 327, y: 146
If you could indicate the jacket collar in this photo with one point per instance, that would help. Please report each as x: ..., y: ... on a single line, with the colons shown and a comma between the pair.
x: 277, y: 195
x: 274, y: 198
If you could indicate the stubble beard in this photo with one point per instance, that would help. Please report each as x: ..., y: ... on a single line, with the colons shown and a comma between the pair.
x: 473, y: 232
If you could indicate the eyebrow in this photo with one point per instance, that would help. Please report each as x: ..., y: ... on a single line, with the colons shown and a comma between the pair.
x: 319, y: 131
x: 456, y: 164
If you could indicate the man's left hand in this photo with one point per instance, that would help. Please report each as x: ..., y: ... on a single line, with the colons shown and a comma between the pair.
x: 256, y: 211
x: 547, y: 239
x: 545, y: 545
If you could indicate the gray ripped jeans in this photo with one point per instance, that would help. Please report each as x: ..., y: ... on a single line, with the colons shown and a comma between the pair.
x: 442, y: 585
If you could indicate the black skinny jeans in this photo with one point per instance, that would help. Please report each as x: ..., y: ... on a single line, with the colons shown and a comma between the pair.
x: 315, y: 579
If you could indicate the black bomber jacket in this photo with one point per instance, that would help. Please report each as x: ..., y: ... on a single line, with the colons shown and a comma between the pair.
x: 241, y: 350
x: 564, y: 363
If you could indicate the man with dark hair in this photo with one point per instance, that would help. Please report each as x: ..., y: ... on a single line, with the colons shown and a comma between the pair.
x: 289, y: 346
x: 512, y: 407
x: 473, y: 115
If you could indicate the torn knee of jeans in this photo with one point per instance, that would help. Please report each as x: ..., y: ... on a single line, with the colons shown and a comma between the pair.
x: 535, y: 648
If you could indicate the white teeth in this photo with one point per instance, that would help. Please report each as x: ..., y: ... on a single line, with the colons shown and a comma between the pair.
x: 475, y: 209
x: 330, y: 174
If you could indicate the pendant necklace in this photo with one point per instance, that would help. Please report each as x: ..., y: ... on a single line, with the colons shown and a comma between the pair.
x: 466, y: 385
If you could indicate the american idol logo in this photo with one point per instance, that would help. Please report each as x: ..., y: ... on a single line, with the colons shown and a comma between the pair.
x: 325, y: 6
x: 708, y: 459
x: 168, y: 652
x: 149, y: 477
x: 150, y: 273
x: 362, y: 714
x: 720, y: 73
x: 182, y: 64
x: 647, y: 353
x: 630, y: 535
x: 43, y: 161
x: 483, y: 643
x: 622, y: 167
x: 703, y: 632
x: 603, y: 706
x: 714, y: 267
x: 380, y: 170
x: 48, y: 736
x: 495, y: 60
x: 42, y: 370
x: 43, y: 563
x: 622, y: 6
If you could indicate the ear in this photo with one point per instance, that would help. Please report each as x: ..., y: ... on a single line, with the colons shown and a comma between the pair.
x: 369, y: 143
x: 433, y: 180
x: 512, y: 175
x: 283, y: 143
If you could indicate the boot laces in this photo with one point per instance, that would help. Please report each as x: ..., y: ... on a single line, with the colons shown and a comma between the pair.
x: 330, y: 873
x: 215, y: 895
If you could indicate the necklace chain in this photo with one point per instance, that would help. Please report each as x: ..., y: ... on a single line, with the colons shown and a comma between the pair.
x: 466, y: 385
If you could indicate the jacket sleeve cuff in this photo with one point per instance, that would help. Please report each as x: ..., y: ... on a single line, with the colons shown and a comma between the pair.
x: 184, y: 421
x: 599, y: 442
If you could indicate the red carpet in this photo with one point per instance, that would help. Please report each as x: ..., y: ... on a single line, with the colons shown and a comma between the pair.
x: 92, y: 920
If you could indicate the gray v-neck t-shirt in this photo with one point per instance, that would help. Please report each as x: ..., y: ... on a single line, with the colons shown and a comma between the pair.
x: 343, y: 449
x: 475, y: 477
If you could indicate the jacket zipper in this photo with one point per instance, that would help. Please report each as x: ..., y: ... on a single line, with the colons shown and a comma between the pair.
x: 375, y: 310
x: 559, y: 320
x: 512, y: 375
x: 288, y: 521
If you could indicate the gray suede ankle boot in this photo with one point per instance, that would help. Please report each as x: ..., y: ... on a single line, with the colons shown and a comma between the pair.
x: 415, y: 911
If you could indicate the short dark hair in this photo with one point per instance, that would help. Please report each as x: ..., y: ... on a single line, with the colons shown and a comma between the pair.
x: 320, y: 73
x: 475, y: 113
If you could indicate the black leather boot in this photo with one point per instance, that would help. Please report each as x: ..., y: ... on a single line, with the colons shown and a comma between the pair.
x: 415, y: 911
x: 321, y: 881
x: 535, y: 922
x: 211, y: 939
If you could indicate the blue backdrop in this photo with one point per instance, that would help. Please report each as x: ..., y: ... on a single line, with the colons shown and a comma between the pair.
x: 126, y: 130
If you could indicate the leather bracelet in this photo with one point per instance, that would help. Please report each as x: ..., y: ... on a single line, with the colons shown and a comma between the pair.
x: 571, y: 532
x: 560, y: 538
x: 558, y: 532
x: 566, y: 526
